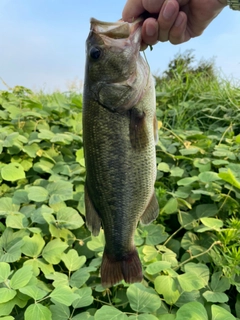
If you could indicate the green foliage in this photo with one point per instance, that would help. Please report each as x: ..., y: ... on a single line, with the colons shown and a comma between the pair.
x: 190, y: 95
x: 49, y: 261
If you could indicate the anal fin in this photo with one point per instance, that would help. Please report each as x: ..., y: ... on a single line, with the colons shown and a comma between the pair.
x: 151, y: 212
x: 93, y: 220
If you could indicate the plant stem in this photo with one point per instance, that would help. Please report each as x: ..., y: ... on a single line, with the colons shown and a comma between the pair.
x: 197, y: 255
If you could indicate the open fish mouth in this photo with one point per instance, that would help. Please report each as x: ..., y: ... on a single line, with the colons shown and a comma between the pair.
x: 115, y: 30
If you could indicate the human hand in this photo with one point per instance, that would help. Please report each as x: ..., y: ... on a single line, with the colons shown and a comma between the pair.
x: 175, y: 20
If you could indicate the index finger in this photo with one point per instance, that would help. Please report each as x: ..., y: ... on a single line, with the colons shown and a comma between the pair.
x: 132, y: 10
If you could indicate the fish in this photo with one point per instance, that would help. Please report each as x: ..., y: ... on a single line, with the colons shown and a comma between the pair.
x: 120, y: 131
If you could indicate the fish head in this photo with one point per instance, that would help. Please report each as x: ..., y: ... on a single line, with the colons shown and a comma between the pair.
x: 112, y: 54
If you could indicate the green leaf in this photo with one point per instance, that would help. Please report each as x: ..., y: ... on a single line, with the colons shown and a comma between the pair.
x: 60, y: 191
x: 190, y: 150
x: 31, y: 150
x: 143, y: 317
x: 21, y: 277
x: 7, y: 307
x: 149, y: 252
x: 80, y: 157
x: 186, y: 219
x: 216, y: 297
x: 64, y: 295
x: 19, y: 197
x: 157, y: 267
x: 192, y: 311
x: 37, y: 311
x: 200, y: 270
x: 72, y: 260
x: 230, y: 178
x: 63, y: 138
x: 17, y: 221
x: 110, y: 313
x: 219, y: 283
x: 97, y: 243
x: 12, y: 172
x: 220, y: 162
x: 168, y: 255
x: 187, y: 297
x: 163, y: 167
x: 13, y: 252
x: 45, y: 134
x: 170, y: 207
x: 85, y: 298
x: 59, y: 312
x: 83, y: 316
x: 212, y: 223
x: 53, y: 251
x: 219, y: 313
x: 79, y: 277
x: 60, y: 279
x: 34, y: 292
x: 167, y: 317
x: 143, y: 299
x: 7, y: 206
x: 69, y: 218
x: 168, y: 287
x: 32, y: 246
x: 203, y: 164
x: 176, y: 172
x: 7, y: 294
x: 206, y: 210
x: 155, y: 234
x: 44, y: 165
x: 189, y: 282
x: 237, y: 306
x: 208, y: 176
x: 187, y: 181
x: 37, y: 194
x: 5, y: 271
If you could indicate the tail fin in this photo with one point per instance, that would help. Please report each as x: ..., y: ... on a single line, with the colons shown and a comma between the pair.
x: 128, y: 268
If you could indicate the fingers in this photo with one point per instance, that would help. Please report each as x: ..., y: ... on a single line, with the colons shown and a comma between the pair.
x: 153, y: 6
x: 132, y: 10
x: 179, y: 33
x: 150, y: 31
x: 171, y: 23
x: 166, y: 19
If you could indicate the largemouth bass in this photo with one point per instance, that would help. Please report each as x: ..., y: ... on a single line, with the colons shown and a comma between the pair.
x: 119, y: 135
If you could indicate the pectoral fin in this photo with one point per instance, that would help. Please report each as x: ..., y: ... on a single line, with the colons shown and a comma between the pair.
x: 93, y: 220
x: 138, y: 130
x: 151, y: 212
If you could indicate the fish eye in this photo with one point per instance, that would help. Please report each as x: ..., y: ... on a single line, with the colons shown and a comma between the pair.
x: 95, y: 53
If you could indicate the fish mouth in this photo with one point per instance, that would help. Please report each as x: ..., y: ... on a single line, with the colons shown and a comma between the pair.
x: 116, y: 30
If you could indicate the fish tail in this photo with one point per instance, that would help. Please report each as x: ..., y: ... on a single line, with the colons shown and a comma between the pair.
x: 128, y: 268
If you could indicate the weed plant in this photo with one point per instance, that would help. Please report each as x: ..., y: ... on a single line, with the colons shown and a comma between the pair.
x: 49, y: 261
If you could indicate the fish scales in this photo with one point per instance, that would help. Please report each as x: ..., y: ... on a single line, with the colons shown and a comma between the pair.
x: 119, y: 146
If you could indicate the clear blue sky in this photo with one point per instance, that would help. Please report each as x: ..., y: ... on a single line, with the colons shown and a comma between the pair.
x: 42, y: 42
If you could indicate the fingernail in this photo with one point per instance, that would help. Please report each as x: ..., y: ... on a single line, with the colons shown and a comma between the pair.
x: 178, y: 21
x: 150, y: 30
x: 169, y: 10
